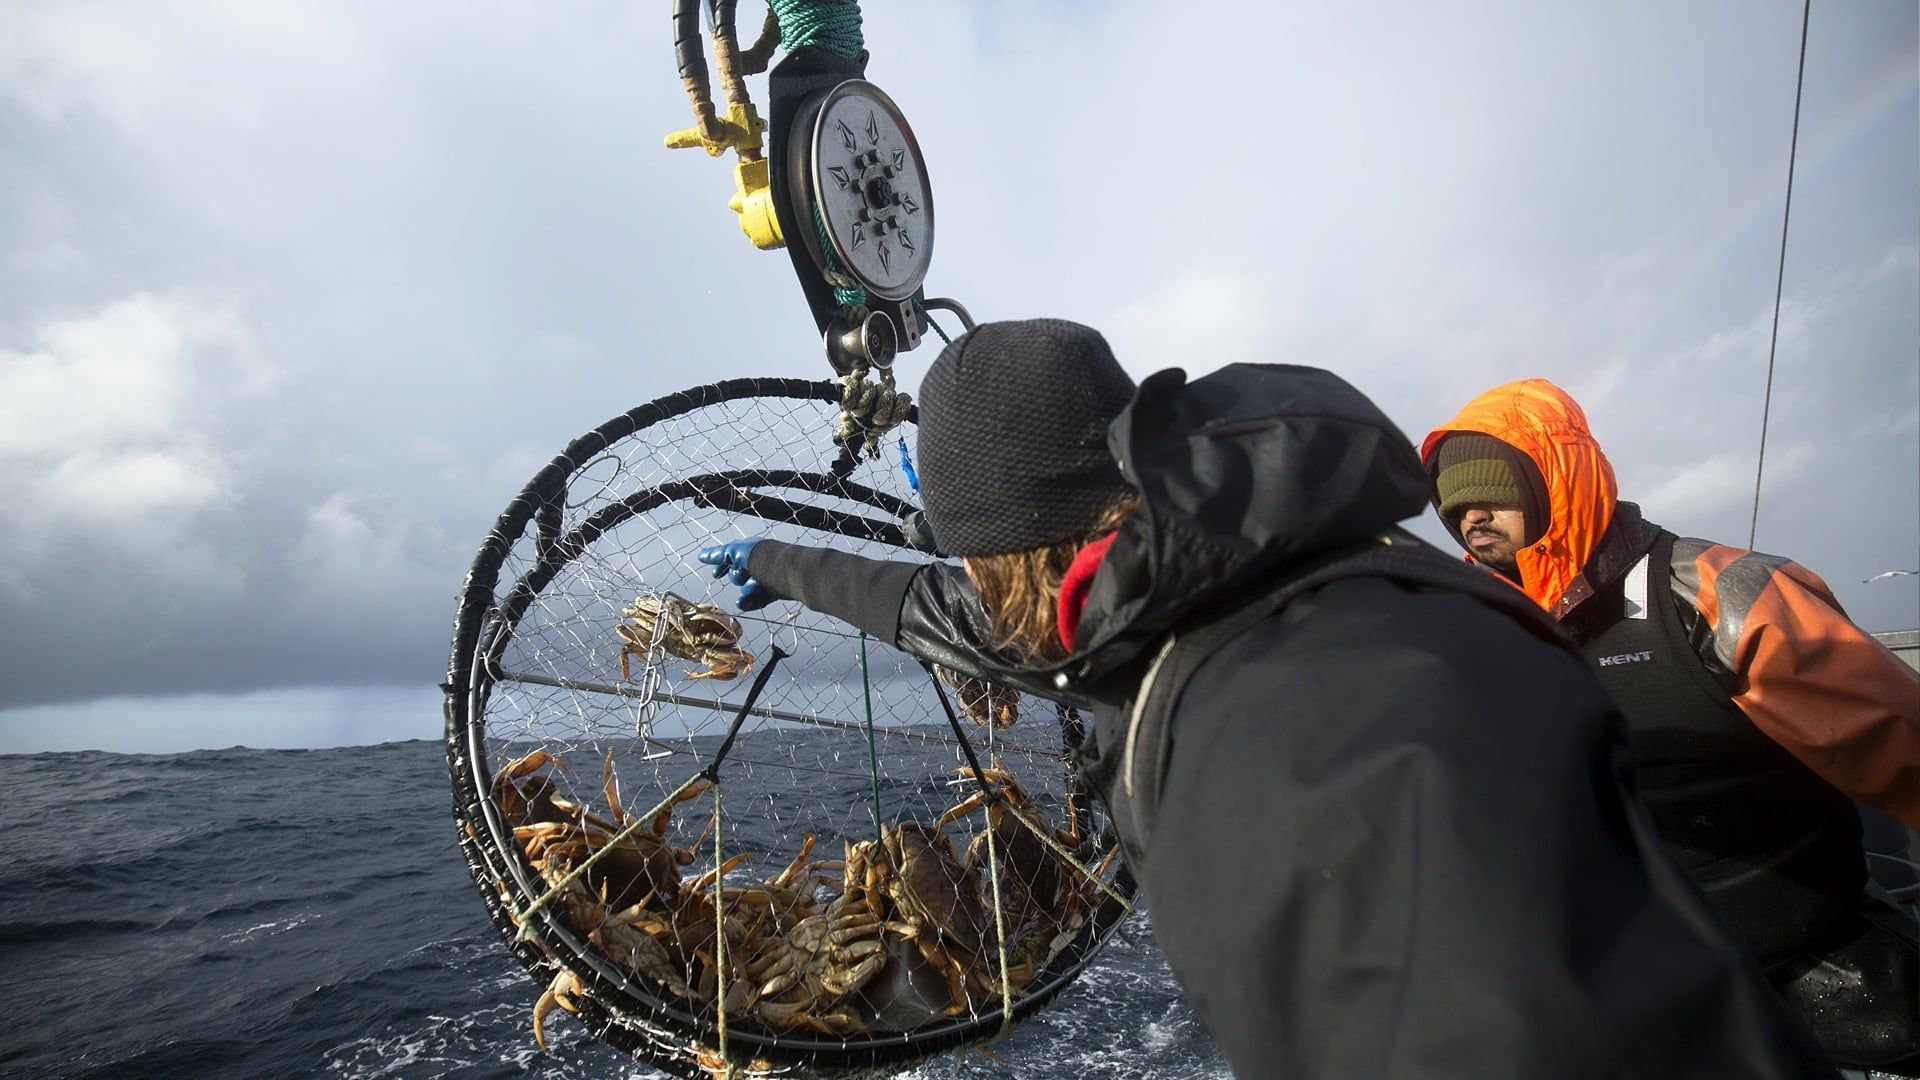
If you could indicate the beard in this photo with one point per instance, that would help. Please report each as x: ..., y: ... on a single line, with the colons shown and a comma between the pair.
x: 1499, y: 555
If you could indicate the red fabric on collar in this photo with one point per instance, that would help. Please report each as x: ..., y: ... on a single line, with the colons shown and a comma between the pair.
x: 1078, y: 582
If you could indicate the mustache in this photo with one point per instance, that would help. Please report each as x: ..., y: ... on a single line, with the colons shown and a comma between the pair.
x: 1485, y: 530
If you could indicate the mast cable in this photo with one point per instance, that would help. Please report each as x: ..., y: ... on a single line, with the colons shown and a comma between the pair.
x: 1786, y: 214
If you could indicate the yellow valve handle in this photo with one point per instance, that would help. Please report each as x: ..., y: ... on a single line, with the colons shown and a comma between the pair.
x: 753, y: 193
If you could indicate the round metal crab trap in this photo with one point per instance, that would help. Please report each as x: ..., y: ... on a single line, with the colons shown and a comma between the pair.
x: 753, y: 845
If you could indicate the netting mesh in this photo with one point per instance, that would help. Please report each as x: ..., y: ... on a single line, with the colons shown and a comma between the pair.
x: 861, y: 901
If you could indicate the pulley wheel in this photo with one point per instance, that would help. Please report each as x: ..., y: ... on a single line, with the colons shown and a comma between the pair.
x: 861, y: 168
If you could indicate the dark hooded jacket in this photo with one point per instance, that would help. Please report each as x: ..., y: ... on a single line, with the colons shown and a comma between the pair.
x: 1367, y: 860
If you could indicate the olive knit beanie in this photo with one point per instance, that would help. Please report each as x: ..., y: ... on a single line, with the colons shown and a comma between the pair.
x: 1013, y: 436
x: 1470, y: 468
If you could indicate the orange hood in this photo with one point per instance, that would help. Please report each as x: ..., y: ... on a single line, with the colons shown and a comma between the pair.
x: 1538, y: 419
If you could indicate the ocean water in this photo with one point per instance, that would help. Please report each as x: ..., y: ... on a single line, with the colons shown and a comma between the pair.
x: 287, y: 913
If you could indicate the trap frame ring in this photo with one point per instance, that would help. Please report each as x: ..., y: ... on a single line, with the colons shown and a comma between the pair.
x: 615, y: 1004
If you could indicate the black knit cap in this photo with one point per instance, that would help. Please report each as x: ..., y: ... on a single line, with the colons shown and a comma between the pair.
x: 1013, y: 436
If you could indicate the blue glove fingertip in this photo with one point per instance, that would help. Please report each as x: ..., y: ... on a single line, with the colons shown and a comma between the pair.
x: 754, y: 596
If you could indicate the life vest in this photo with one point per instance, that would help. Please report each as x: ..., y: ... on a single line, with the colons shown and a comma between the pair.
x: 1775, y: 847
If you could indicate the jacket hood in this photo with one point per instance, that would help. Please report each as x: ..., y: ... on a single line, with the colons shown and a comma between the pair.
x: 1240, y: 473
x: 1541, y: 421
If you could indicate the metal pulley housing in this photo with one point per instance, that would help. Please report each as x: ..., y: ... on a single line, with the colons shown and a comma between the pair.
x: 862, y: 170
x: 855, y: 185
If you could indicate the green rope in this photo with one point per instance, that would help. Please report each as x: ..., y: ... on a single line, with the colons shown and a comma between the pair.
x: 1000, y: 929
x: 873, y: 755
x: 720, y: 933
x: 927, y: 318
x: 847, y: 296
x: 833, y: 25
x: 1060, y: 850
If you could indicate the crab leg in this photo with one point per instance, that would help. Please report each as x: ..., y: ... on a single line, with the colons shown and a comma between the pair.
x: 785, y: 878
x: 559, y: 994
x: 705, y: 881
x: 610, y: 786
x: 665, y: 815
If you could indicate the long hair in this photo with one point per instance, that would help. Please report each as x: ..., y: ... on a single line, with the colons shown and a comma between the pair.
x: 1021, y: 589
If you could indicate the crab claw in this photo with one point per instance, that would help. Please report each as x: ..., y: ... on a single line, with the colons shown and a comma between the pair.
x: 559, y: 994
x: 523, y: 766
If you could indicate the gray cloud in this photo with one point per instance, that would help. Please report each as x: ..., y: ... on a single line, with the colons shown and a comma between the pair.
x: 292, y: 301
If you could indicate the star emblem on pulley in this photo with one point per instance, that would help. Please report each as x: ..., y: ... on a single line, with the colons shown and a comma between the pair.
x: 870, y: 189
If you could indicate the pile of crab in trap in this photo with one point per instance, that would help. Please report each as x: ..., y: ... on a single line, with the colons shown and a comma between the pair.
x: 894, y: 934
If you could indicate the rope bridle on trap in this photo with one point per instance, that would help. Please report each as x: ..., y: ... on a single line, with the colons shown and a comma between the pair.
x: 592, y: 856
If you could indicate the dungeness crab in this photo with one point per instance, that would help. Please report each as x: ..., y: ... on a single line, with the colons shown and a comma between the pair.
x: 698, y: 632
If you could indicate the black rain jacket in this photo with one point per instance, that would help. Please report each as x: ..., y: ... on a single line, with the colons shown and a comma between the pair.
x: 1395, y: 836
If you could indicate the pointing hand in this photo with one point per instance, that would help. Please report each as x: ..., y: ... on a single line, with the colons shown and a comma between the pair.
x: 729, y: 560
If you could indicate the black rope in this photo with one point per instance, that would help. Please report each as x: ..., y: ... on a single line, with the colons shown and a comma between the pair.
x: 740, y: 717
x: 712, y: 771
x: 1780, y: 276
x: 966, y: 745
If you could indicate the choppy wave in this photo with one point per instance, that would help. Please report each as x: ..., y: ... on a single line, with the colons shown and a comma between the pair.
x: 305, y: 913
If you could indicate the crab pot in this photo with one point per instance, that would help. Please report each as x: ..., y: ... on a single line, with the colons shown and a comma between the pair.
x: 842, y: 917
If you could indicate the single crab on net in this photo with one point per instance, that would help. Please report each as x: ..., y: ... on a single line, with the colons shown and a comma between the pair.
x: 698, y: 632
x: 769, y: 876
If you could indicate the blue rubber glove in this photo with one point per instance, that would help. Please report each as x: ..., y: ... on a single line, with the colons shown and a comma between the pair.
x: 729, y: 560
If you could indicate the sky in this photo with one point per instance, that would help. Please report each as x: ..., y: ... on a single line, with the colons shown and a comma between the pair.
x: 294, y: 297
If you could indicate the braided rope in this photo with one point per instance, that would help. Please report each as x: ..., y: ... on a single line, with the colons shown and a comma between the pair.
x: 847, y: 296
x: 1000, y: 931
x: 873, y: 753
x: 928, y: 319
x: 1061, y: 850
x: 833, y: 25
x: 868, y: 410
x: 720, y: 936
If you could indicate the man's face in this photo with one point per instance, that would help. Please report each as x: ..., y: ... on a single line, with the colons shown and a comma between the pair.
x: 1493, y: 533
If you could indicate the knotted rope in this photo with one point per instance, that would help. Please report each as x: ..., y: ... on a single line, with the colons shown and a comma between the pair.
x: 868, y: 409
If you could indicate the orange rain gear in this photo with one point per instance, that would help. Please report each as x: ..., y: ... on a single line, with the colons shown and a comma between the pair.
x: 1538, y: 419
x: 1803, y: 672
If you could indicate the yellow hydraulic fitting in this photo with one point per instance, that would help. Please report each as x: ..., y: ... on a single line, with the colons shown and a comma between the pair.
x: 753, y: 201
x: 740, y: 131
x: 753, y: 195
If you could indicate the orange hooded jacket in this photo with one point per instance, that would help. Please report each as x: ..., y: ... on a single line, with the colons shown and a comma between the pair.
x: 1804, y: 673
x: 1538, y: 419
